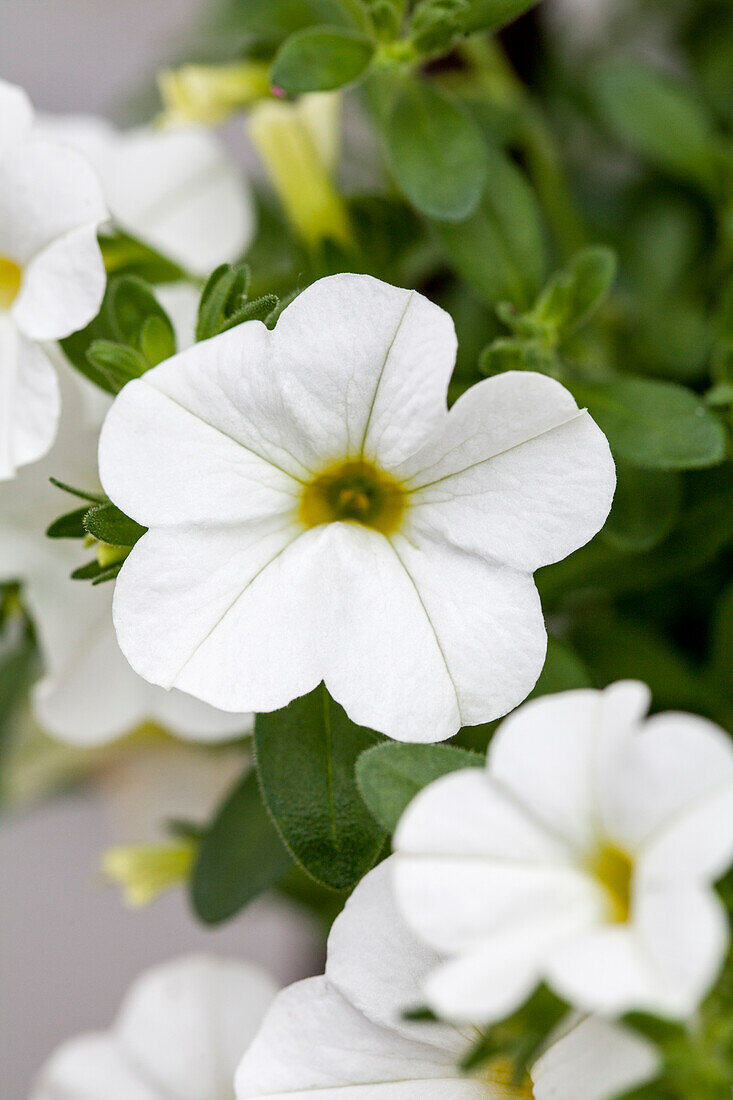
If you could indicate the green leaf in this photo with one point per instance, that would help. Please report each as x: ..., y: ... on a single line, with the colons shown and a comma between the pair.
x: 563, y: 670
x: 656, y: 425
x: 657, y: 116
x: 436, y: 153
x: 70, y: 526
x: 320, y: 59
x: 573, y: 295
x: 125, y: 255
x: 645, y: 507
x: 390, y: 775
x: 500, y: 250
x: 306, y: 755
x: 108, y: 524
x: 275, y: 19
x: 131, y: 303
x: 240, y: 855
x: 490, y: 15
x: 118, y: 363
x: 157, y: 339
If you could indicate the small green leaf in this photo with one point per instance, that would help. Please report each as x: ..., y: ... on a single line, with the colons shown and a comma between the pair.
x: 436, y: 153
x: 657, y: 116
x: 306, y: 754
x: 435, y: 24
x: 490, y: 15
x: 573, y: 295
x: 108, y: 524
x: 92, y: 571
x: 655, y: 425
x: 240, y: 855
x: 131, y: 303
x: 645, y: 507
x: 518, y: 353
x: 320, y: 59
x: 157, y: 339
x: 500, y: 250
x: 70, y: 526
x: 119, y: 363
x: 390, y: 775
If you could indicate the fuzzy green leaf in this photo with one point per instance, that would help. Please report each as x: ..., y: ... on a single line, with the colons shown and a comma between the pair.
x: 69, y: 526
x: 390, y: 775
x: 108, y: 524
x: 306, y: 754
x: 320, y: 59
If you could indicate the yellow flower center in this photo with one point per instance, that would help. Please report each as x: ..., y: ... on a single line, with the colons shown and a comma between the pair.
x: 356, y: 492
x: 500, y: 1074
x: 10, y: 277
x: 614, y: 870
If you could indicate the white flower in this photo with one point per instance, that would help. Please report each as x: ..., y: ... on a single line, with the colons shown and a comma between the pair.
x: 89, y: 694
x: 583, y: 855
x: 316, y: 514
x: 179, y: 1035
x: 174, y: 189
x: 51, y: 273
x: 344, y: 1035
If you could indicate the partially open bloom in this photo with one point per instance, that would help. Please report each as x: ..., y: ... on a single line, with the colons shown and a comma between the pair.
x: 88, y: 694
x: 51, y: 273
x: 315, y: 513
x: 174, y: 189
x: 583, y: 855
x: 344, y: 1035
x: 179, y: 1035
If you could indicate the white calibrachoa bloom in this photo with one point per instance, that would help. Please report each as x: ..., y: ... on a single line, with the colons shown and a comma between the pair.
x: 179, y: 1035
x: 315, y: 514
x: 343, y: 1036
x: 174, y: 189
x: 89, y: 694
x: 583, y: 854
x: 52, y: 277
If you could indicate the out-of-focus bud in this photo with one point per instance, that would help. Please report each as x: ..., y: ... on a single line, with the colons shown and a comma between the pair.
x: 209, y: 93
x: 146, y: 870
x: 298, y: 143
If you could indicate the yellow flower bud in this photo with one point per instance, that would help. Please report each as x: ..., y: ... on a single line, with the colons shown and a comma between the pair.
x: 146, y: 870
x: 209, y: 93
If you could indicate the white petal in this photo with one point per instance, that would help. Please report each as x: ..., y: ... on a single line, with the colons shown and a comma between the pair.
x: 697, y: 846
x: 379, y: 965
x: 547, y: 752
x: 16, y: 114
x: 675, y: 763
x: 225, y: 613
x: 176, y: 190
x: 90, y: 1067
x: 486, y: 622
x: 63, y: 286
x: 594, y: 1060
x: 46, y: 191
x: 684, y: 930
x: 314, y: 1044
x: 164, y: 465
x: 517, y: 474
x: 185, y: 1024
x: 366, y: 365
x: 30, y: 402
x: 607, y: 970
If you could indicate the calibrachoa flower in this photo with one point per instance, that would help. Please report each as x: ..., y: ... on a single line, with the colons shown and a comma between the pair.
x: 89, y: 694
x: 317, y: 514
x: 583, y: 854
x: 174, y: 189
x: 179, y: 1035
x: 51, y: 273
x: 344, y: 1035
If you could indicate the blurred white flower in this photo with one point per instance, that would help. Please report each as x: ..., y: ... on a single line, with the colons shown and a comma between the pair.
x: 317, y: 514
x: 174, y: 189
x: 89, y: 694
x: 179, y: 1035
x: 583, y: 855
x: 52, y: 277
x: 343, y: 1035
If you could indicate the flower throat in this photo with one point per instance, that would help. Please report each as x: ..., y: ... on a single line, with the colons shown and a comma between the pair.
x: 355, y: 492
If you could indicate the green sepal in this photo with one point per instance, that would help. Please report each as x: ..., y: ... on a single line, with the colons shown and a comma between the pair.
x: 224, y: 302
x: 95, y: 572
x: 83, y: 494
x: 391, y: 774
x: 69, y: 526
x: 520, y: 1037
x: 239, y: 856
x: 107, y: 523
x: 306, y: 754
x: 117, y: 363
